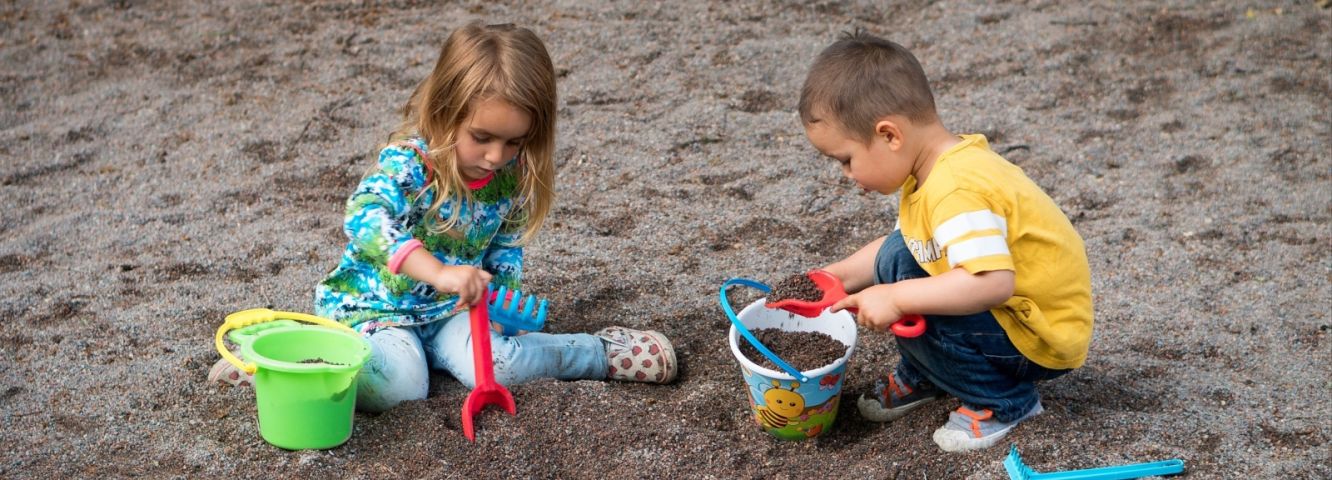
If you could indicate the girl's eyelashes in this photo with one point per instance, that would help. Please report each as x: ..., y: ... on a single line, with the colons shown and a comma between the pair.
x: 517, y: 142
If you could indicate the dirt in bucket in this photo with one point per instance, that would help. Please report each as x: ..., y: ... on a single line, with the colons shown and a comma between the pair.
x: 803, y: 350
x: 795, y: 287
x: 320, y: 360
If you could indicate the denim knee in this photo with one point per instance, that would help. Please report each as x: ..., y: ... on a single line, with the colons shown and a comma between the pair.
x: 894, y: 262
x: 971, y: 358
x: 396, y: 371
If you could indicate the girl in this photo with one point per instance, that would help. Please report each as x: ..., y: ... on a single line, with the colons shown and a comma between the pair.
x: 463, y: 183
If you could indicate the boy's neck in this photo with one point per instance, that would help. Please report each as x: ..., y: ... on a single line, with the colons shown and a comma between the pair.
x: 934, y: 140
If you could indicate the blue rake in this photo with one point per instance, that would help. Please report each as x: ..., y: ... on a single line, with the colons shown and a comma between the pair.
x: 504, y: 309
x: 1018, y: 471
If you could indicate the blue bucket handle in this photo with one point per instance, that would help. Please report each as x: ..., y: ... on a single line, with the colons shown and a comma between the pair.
x: 730, y: 314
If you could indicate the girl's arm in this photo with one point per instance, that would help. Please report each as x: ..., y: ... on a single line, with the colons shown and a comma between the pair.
x: 955, y: 292
x: 377, y: 218
x: 467, y: 281
x: 377, y: 212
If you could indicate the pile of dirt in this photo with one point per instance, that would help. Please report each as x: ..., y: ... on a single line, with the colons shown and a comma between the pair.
x: 802, y: 350
x: 795, y: 287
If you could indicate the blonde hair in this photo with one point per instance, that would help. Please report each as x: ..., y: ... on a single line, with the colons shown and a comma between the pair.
x: 481, y: 62
x: 862, y: 78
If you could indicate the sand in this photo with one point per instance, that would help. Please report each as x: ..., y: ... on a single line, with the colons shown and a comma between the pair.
x: 162, y: 165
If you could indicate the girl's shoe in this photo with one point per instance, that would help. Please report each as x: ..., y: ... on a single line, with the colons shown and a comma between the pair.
x: 970, y: 430
x: 224, y: 372
x: 638, y: 355
x: 891, y: 399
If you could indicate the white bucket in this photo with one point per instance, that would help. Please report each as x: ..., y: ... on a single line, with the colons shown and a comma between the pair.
x: 783, y: 405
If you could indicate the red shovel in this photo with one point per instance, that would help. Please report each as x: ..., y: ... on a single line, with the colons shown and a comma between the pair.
x: 909, y: 326
x: 487, y: 390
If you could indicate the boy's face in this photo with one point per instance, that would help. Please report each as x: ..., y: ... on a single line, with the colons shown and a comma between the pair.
x: 880, y: 166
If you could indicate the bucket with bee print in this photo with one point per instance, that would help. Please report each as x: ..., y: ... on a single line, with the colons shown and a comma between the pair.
x: 787, y: 403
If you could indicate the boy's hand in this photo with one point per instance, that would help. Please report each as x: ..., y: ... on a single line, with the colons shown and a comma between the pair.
x: 467, y: 281
x: 878, y: 311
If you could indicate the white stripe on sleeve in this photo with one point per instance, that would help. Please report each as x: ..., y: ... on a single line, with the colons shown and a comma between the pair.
x: 964, y: 223
x: 976, y: 248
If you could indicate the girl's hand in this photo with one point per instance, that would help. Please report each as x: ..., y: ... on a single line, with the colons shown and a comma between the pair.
x: 466, y: 281
x: 878, y: 311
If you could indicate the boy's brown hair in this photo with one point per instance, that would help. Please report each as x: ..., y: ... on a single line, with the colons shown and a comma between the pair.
x: 861, y: 78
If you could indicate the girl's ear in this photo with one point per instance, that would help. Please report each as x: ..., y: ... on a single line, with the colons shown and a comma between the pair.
x: 889, y: 131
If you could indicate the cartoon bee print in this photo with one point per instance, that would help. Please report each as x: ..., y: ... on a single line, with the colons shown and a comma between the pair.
x: 782, y: 404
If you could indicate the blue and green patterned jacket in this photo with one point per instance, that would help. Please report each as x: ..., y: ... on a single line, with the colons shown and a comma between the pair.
x: 386, y: 212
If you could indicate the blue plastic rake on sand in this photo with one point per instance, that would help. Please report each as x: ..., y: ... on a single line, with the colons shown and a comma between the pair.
x: 504, y: 310
x: 1018, y: 471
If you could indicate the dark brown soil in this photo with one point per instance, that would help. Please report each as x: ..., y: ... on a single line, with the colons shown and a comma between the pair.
x: 803, y: 350
x: 319, y: 360
x: 797, y: 287
x: 163, y: 164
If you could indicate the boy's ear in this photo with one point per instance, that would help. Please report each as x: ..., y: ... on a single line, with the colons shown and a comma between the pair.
x: 888, y: 130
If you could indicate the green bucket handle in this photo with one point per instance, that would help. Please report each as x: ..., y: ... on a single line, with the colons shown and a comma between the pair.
x: 245, y: 318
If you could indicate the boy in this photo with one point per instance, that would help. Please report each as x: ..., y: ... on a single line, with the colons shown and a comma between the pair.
x: 979, y: 249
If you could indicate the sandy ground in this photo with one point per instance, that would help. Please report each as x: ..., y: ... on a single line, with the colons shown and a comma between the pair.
x: 164, y: 165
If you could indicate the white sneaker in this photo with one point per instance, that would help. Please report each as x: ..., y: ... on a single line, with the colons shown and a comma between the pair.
x: 969, y: 430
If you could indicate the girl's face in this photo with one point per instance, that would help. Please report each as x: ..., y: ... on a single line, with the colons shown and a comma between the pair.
x: 490, y: 136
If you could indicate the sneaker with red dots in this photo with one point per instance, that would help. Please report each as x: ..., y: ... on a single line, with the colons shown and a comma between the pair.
x: 224, y: 372
x: 638, y: 355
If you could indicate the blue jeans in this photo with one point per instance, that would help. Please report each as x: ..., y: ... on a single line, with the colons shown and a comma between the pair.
x: 968, y: 356
x: 400, y: 359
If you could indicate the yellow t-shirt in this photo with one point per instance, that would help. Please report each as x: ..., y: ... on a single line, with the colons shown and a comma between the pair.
x: 981, y: 213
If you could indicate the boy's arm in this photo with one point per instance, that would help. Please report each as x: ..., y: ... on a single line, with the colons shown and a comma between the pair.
x: 955, y: 292
x: 857, y: 271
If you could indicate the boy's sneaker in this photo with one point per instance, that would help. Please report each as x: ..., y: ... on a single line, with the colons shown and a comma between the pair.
x: 892, y: 399
x: 970, y: 430
x: 638, y: 355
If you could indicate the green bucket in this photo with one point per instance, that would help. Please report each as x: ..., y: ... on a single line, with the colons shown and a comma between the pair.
x: 304, y: 376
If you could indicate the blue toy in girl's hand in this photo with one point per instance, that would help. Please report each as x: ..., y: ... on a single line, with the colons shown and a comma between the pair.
x: 504, y: 307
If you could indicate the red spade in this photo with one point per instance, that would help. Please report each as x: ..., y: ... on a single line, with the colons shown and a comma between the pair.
x: 909, y: 326
x: 487, y: 390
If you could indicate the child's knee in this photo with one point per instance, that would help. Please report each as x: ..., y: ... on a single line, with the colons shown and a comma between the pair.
x: 380, y: 397
x: 396, y: 372
x: 894, y: 261
x: 381, y: 386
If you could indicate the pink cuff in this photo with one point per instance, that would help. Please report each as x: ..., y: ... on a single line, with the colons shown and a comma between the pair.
x: 395, y: 262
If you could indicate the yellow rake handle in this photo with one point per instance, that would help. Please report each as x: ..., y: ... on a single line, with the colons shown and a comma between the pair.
x: 245, y: 318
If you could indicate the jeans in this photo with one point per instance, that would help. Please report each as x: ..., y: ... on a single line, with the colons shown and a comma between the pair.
x: 400, y: 359
x: 968, y: 356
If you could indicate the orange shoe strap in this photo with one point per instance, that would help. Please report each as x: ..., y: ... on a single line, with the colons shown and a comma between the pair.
x: 897, y: 391
x: 976, y: 418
